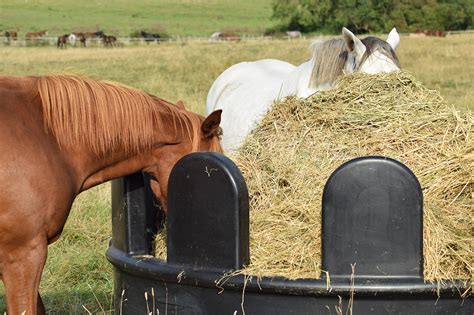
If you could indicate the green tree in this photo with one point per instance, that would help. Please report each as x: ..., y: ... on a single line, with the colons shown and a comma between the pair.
x: 372, y: 15
x: 303, y: 15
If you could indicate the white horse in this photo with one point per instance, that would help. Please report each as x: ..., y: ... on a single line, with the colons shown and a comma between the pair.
x: 215, y: 36
x: 293, y: 34
x: 72, y: 39
x: 246, y: 90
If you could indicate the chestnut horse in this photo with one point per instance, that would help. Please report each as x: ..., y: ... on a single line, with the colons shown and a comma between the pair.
x: 35, y: 35
x: 64, y: 134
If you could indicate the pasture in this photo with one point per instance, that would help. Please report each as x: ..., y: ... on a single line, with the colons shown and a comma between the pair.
x: 77, y: 277
x: 121, y: 18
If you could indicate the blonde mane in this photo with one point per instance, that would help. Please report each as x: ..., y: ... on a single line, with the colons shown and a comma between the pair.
x: 329, y: 59
x: 103, y: 115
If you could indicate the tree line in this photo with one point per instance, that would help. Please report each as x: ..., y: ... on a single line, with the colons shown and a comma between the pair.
x: 361, y: 16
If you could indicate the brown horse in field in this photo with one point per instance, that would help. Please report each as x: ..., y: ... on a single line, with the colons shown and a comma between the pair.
x: 64, y: 134
x: 109, y: 40
x: 35, y: 35
x: 431, y: 32
x: 62, y: 41
x: 11, y: 35
x: 225, y: 36
x: 82, y: 39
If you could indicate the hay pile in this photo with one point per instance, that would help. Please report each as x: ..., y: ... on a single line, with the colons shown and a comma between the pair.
x: 290, y: 155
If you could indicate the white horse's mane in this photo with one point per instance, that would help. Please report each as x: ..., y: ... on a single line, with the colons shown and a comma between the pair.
x: 329, y: 58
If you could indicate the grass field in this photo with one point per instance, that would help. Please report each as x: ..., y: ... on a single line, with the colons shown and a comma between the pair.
x: 122, y: 17
x: 77, y: 276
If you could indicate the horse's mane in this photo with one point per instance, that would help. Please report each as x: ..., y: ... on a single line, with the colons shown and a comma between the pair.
x: 102, y: 115
x: 331, y: 55
x: 329, y: 59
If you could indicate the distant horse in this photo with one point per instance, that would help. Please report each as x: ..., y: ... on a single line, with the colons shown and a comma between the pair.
x: 246, y: 90
x: 82, y: 39
x: 62, y: 135
x: 72, y: 38
x: 7, y: 36
x: 83, y: 36
x: 224, y: 36
x: 436, y: 33
x: 62, y: 40
x: 93, y: 34
x: 293, y: 34
x: 230, y: 36
x: 215, y: 36
x: 35, y: 36
x: 11, y: 35
x: 430, y: 32
x: 150, y: 37
x: 109, y: 40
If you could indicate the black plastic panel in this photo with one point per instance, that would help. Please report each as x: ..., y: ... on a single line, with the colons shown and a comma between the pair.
x: 207, y: 198
x: 372, y: 218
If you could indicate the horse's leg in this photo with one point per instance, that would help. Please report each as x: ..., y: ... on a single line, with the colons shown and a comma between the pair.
x: 21, y: 273
x: 40, y: 306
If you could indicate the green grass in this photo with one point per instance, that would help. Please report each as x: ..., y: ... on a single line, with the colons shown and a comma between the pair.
x: 122, y: 17
x: 77, y: 273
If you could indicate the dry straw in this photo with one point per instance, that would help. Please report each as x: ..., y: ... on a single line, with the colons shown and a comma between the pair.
x: 288, y: 158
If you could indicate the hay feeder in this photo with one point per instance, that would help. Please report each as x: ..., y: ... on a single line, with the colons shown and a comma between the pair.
x: 372, y: 245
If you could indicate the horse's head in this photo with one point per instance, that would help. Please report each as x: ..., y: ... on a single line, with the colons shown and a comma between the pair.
x: 371, y: 54
x: 203, y: 134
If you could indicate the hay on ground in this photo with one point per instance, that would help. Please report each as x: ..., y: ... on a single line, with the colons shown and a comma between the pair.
x: 288, y: 158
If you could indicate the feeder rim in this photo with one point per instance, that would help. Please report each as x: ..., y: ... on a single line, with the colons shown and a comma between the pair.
x: 404, y: 287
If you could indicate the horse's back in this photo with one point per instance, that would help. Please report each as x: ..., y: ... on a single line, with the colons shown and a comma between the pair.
x: 244, y: 92
x: 254, y: 75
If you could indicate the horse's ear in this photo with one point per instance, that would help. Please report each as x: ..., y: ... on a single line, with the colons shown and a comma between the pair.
x: 180, y: 105
x: 393, y: 38
x: 210, y: 125
x: 353, y: 44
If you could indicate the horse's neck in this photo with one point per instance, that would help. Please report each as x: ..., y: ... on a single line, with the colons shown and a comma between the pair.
x: 105, y: 169
x: 117, y: 162
x: 298, y: 82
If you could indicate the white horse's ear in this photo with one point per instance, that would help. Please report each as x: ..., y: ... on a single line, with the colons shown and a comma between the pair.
x: 393, y: 38
x: 353, y: 43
